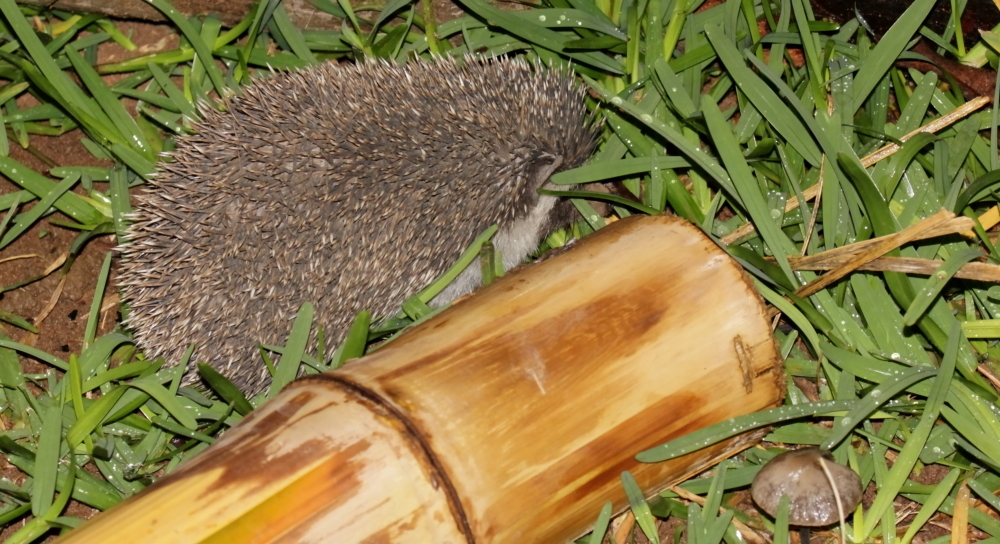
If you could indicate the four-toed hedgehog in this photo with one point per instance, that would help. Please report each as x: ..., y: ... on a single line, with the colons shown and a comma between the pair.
x: 350, y: 187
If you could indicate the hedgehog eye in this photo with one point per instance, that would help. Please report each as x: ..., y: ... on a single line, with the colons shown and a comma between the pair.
x: 542, y: 166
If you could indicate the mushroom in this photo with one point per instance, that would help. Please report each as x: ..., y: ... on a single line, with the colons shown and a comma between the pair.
x: 812, y: 499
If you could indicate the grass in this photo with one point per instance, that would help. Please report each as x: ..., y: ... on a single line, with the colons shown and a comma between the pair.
x: 705, y: 116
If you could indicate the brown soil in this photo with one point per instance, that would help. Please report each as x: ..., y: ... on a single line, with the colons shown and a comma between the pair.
x: 61, y: 328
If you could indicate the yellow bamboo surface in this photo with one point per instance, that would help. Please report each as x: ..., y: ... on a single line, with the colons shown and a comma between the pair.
x: 506, y: 418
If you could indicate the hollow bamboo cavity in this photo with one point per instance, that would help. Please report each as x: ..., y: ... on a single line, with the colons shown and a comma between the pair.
x: 506, y: 418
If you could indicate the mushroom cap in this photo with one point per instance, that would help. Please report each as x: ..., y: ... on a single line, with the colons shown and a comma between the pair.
x: 799, y: 475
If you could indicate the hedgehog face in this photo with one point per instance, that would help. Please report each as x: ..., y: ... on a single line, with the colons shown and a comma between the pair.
x: 350, y: 187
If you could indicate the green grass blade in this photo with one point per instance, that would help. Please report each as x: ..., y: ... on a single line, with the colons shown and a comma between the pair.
x: 200, y: 47
x: 93, y: 416
x: 570, y: 18
x: 813, y: 64
x: 46, y: 64
x: 878, y: 396
x: 743, y: 178
x: 113, y: 109
x: 36, y: 353
x: 781, y: 522
x: 690, y: 150
x: 538, y: 35
x: 295, y: 347
x: 930, y: 507
x: 28, y: 218
x: 908, y: 456
x: 225, y: 389
x: 640, y: 508
x: 888, y: 49
x: 355, y: 341
x: 470, y: 254
x: 763, y: 98
x: 32, y: 531
x: 176, y: 96
x: 601, y: 525
x: 168, y: 401
x: 977, y: 189
x: 293, y: 36
x: 69, y: 203
x: 96, y: 354
x: 589, y: 195
x: 616, y: 169
x: 984, y: 492
x: 933, y: 285
x: 713, y: 434
x: 47, y: 459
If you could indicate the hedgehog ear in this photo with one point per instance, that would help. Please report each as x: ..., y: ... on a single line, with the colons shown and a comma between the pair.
x: 542, y: 167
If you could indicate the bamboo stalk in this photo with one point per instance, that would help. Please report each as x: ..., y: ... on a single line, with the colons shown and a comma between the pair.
x: 506, y: 418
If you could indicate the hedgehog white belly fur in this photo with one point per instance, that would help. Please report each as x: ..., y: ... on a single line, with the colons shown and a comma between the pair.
x: 350, y: 187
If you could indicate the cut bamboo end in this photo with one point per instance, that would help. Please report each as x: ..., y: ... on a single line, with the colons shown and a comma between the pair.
x: 506, y: 418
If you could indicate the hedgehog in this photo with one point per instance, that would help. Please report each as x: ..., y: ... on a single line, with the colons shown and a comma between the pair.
x: 347, y: 186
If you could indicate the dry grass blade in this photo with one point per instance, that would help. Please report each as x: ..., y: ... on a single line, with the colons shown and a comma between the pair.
x: 989, y: 218
x: 836, y: 258
x: 622, y: 527
x: 56, y: 264
x: 906, y: 265
x: 52, y: 301
x: 869, y: 160
x: 836, y: 494
x: 16, y: 257
x: 815, y: 214
x: 960, y: 520
x: 941, y: 122
x: 881, y: 247
x: 828, y: 260
x: 823, y: 260
x: 989, y: 375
